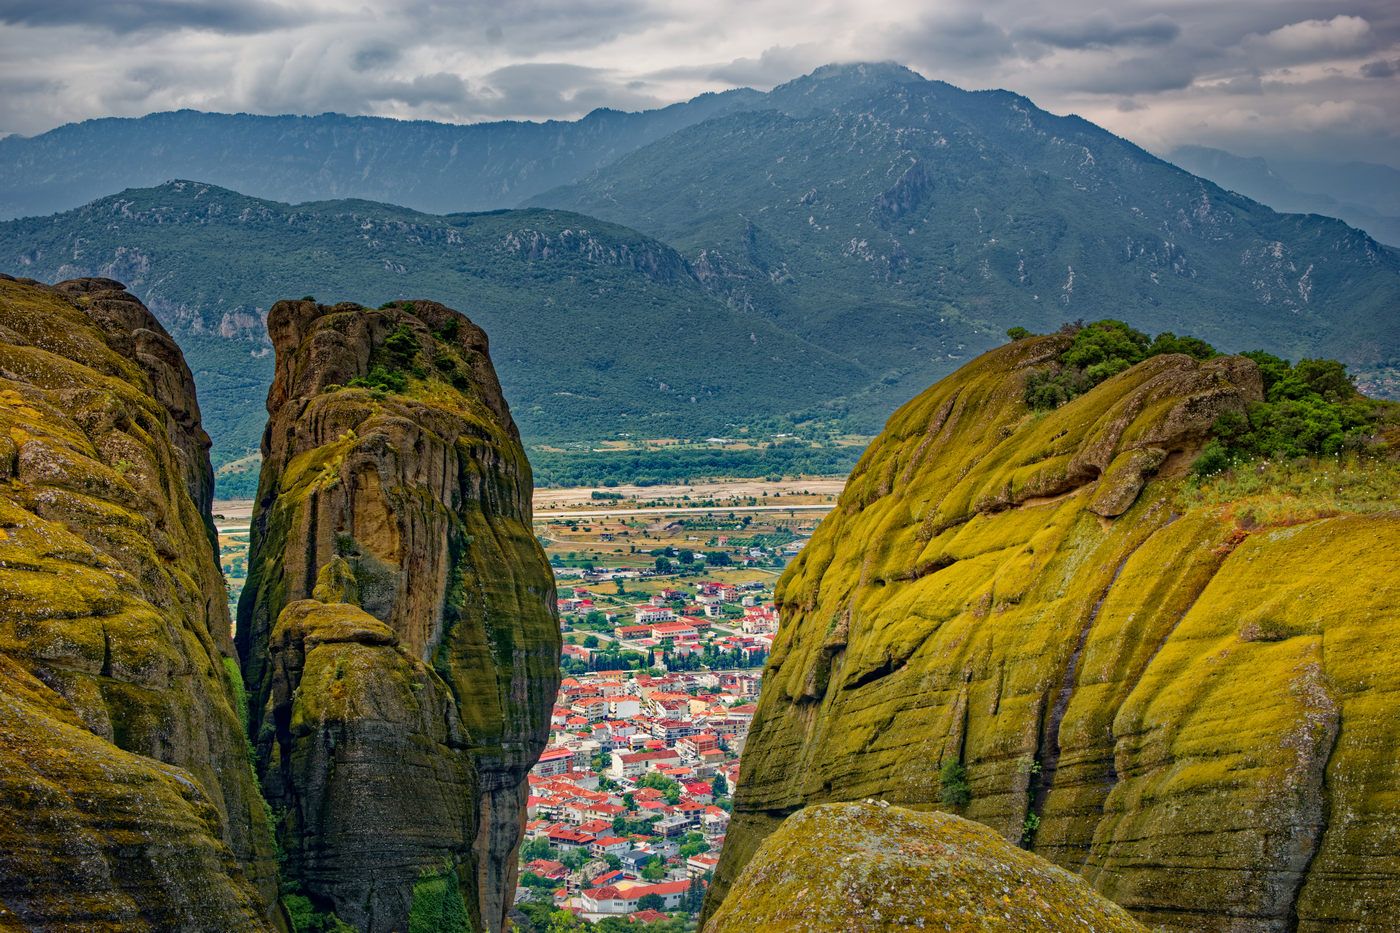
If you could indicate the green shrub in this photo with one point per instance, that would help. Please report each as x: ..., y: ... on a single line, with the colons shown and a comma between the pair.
x: 437, y: 905
x: 1309, y: 409
x: 381, y: 378
x: 307, y: 919
x: 1098, y: 351
x: 1018, y: 333
x: 400, y: 347
x: 450, y: 329
x: 1214, y: 458
x: 953, y: 789
x: 1028, y: 829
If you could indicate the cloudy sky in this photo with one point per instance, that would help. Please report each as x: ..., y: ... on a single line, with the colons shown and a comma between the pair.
x: 1305, y: 77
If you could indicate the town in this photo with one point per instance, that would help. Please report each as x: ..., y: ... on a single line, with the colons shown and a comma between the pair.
x: 667, y: 621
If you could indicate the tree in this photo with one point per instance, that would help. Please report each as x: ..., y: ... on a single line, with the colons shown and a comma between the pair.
x: 695, y: 896
x: 659, y: 781
x: 654, y: 870
x: 536, y: 849
x: 720, y: 785
x: 591, y: 641
x: 650, y: 902
x: 663, y: 565
x: 564, y: 921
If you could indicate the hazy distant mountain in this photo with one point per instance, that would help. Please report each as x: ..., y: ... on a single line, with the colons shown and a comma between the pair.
x: 1363, y: 194
x: 439, y: 167
x: 857, y: 235
x: 594, y: 328
x: 870, y: 210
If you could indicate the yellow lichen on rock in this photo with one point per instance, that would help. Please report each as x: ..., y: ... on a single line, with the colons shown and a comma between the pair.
x: 1180, y: 700
x: 129, y: 800
x: 869, y: 867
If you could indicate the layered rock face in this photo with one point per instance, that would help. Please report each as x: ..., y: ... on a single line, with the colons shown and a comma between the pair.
x: 866, y: 867
x: 127, y: 795
x: 1027, y: 618
x: 398, y: 629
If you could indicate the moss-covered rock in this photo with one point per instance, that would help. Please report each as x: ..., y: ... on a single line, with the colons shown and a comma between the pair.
x: 866, y: 867
x: 1183, y: 699
x: 128, y: 798
x: 398, y: 628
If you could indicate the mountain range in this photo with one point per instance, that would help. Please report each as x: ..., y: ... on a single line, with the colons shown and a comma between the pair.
x: 822, y: 250
x: 596, y: 328
x: 438, y: 167
x: 1363, y: 194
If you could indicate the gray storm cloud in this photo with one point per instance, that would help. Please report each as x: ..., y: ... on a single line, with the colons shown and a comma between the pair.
x: 1302, y: 76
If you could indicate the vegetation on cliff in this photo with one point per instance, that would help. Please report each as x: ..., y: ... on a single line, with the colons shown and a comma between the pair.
x: 127, y: 797
x: 398, y: 628
x: 1173, y: 684
x: 1308, y: 409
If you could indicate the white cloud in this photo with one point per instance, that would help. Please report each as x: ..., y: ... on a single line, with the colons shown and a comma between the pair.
x: 1159, y: 72
x: 1337, y: 34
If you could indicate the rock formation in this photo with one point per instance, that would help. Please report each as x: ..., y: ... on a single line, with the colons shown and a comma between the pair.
x: 1029, y: 618
x: 127, y: 796
x: 867, y: 867
x: 398, y: 628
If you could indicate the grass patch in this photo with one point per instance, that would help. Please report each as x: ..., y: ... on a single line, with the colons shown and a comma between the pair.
x: 1301, y: 489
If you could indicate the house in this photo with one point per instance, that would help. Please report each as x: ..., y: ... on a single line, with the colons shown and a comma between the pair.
x: 635, y: 764
x: 743, y: 713
x: 672, y: 730
x: 702, y: 864
x: 609, y: 877
x: 670, y: 631
x: 634, y: 860
x: 691, y: 811
x: 554, y: 760
x: 668, y: 826
x: 554, y: 871
x: 714, y: 821
x: 609, y: 845
x: 698, y: 791
x: 650, y: 615
x: 569, y: 839
x: 590, y: 708
x: 622, y: 707
x: 623, y: 898
x: 693, y: 746
x: 647, y: 916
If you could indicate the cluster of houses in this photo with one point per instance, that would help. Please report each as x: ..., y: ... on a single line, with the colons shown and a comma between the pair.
x: 636, y: 780
x: 666, y: 624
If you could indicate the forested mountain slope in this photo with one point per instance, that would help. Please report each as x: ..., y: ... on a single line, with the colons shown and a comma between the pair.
x: 865, y: 199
